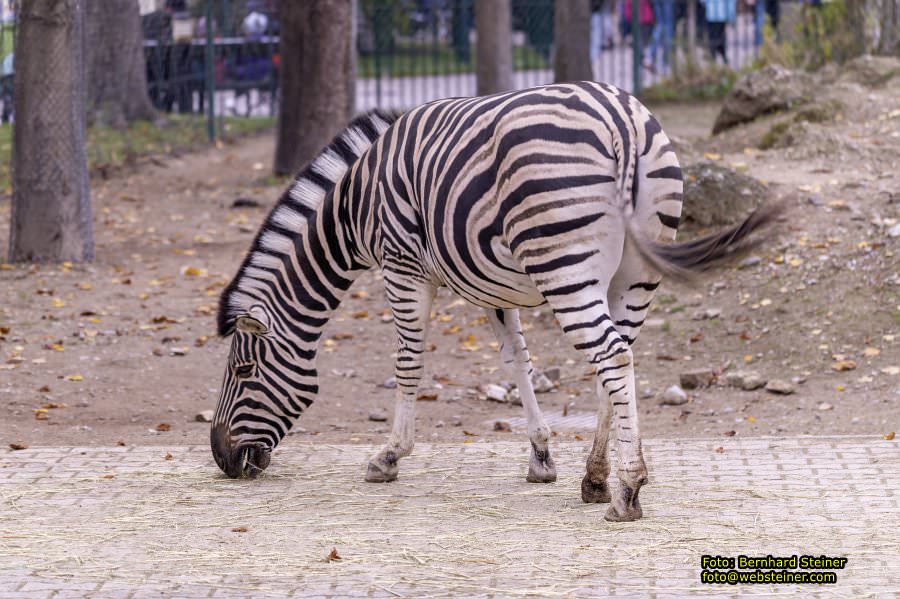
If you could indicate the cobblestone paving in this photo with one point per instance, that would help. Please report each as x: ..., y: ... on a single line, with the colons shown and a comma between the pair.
x: 460, y: 522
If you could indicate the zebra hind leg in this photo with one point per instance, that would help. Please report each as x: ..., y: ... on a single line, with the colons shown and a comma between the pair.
x: 517, y: 362
x: 411, y: 306
x: 584, y: 316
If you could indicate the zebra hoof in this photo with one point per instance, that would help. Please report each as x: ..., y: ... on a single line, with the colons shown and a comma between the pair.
x: 541, y: 471
x: 625, y: 507
x: 592, y: 492
x: 379, y: 471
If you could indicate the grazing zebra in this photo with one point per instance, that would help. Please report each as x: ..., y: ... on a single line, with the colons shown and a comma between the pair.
x: 561, y: 194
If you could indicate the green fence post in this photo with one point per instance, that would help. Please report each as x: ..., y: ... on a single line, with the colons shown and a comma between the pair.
x: 210, y: 75
x: 637, y: 49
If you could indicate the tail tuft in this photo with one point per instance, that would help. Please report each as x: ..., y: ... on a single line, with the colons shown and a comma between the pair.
x: 686, y: 259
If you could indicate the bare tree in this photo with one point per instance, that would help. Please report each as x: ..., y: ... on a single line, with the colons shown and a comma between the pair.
x: 117, y: 94
x: 889, y: 39
x: 318, y: 78
x: 572, y: 41
x: 51, y: 207
x: 494, y: 68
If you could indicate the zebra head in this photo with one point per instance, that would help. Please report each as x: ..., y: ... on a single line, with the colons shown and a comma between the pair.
x: 259, y: 401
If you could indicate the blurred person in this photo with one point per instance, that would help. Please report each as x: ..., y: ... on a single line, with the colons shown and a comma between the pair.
x: 601, y: 28
x: 646, y: 20
x: 663, y: 31
x: 718, y: 14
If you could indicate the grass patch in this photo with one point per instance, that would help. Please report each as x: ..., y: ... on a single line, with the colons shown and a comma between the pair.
x: 109, y: 149
x: 692, y: 84
x: 414, y: 59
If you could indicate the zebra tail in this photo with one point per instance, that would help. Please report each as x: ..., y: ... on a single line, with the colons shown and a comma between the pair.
x: 687, y: 259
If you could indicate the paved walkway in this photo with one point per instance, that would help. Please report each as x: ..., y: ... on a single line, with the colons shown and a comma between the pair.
x: 460, y: 522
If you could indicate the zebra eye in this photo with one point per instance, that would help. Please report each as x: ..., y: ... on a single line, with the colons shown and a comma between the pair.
x: 243, y: 371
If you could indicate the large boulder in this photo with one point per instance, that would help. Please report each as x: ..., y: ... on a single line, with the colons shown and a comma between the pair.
x: 871, y: 70
x: 769, y: 89
x: 715, y: 195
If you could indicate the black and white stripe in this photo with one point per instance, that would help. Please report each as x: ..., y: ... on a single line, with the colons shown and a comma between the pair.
x: 566, y: 194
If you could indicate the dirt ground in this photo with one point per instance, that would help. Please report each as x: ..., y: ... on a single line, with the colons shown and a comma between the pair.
x: 118, y: 350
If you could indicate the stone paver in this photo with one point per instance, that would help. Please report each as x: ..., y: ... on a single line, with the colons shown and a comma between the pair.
x: 460, y: 522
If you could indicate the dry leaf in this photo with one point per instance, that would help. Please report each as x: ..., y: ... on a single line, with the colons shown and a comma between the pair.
x: 427, y: 396
x: 333, y: 556
x: 887, y: 437
x: 360, y: 314
x: 58, y: 303
x: 720, y: 450
x: 44, y: 389
x: 21, y: 446
x: 871, y: 352
x: 842, y: 365
x: 191, y: 271
x: 239, y: 529
x: 891, y: 370
x: 108, y: 476
x: 74, y: 377
x: 163, y: 427
x: 4, y: 330
x: 168, y: 457
x: 201, y: 341
x: 84, y: 286
x: 342, y: 336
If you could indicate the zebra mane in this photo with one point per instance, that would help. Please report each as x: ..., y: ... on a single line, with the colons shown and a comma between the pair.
x: 299, y: 203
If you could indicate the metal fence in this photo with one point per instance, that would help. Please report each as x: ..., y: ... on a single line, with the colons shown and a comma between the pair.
x: 411, y: 51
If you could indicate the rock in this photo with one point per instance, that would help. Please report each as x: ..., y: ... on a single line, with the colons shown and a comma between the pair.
x: 779, y: 387
x: 715, y: 195
x: 378, y: 417
x: 748, y: 381
x: 646, y: 392
x: 816, y: 199
x: 204, y: 416
x: 439, y: 424
x: 554, y: 374
x: 707, y: 314
x: 894, y: 231
x: 540, y: 382
x: 824, y: 406
x: 514, y: 397
x: 673, y: 396
x: 495, y: 393
x: 750, y: 261
x: 871, y: 70
x: 389, y: 383
x: 769, y: 89
x: 455, y: 421
x: 696, y: 379
x: 502, y: 426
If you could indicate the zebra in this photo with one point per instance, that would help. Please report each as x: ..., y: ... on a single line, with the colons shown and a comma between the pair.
x: 565, y: 194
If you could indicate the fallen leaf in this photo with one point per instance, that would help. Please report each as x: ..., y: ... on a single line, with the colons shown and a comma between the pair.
x: 361, y: 294
x: 58, y: 303
x: 730, y: 433
x: 427, y: 396
x: 44, y: 389
x: 163, y: 427
x: 342, y: 336
x: 108, y: 476
x: 168, y: 457
x: 120, y: 443
x: 74, y: 377
x: 843, y: 365
x: 333, y: 556
x: 720, y: 450
x: 468, y: 434
x: 4, y: 330
x: 192, y: 271
x: 887, y: 437
x: 21, y: 446
x: 871, y: 352
x: 712, y: 156
x: 84, y: 286
x: 891, y: 370
x: 201, y: 341
x: 40, y: 414
x: 239, y: 529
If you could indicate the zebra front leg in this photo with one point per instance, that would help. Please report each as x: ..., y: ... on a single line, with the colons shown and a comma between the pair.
x: 411, y: 306
x: 517, y: 362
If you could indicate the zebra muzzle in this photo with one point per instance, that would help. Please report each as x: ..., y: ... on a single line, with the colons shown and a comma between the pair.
x: 240, y: 461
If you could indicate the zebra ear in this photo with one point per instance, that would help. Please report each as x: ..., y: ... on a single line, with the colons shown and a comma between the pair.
x: 256, y: 322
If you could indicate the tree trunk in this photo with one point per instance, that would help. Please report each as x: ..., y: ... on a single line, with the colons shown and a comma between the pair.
x: 117, y: 93
x: 493, y: 22
x: 572, y: 41
x: 51, y: 207
x: 318, y: 78
x: 889, y: 40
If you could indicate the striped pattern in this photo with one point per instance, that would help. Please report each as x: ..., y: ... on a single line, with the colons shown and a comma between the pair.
x: 566, y: 194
